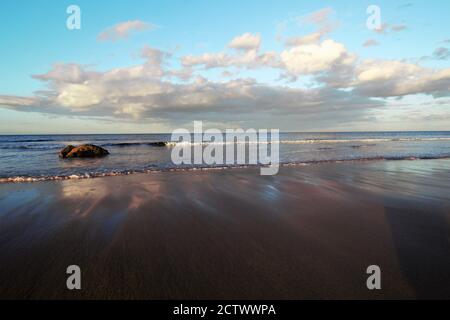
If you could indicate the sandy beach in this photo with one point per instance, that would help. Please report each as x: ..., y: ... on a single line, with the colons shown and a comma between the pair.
x: 309, y: 232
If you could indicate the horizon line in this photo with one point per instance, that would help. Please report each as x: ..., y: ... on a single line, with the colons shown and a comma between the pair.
x: 163, y: 133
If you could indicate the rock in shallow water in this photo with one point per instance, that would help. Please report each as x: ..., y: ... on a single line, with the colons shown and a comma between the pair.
x: 83, y: 151
x: 63, y: 153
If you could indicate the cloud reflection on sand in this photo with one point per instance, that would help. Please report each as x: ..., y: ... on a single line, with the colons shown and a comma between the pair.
x: 309, y: 232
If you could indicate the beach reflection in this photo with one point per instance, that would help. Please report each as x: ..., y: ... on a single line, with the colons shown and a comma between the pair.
x: 306, y: 230
x: 106, y: 194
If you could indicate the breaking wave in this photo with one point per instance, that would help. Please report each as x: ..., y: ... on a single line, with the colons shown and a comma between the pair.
x: 132, y: 144
x: 301, y: 141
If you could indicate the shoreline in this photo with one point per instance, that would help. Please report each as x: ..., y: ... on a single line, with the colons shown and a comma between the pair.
x: 25, y: 179
x: 309, y: 232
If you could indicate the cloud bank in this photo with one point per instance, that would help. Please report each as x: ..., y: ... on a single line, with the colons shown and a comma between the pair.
x: 340, y: 87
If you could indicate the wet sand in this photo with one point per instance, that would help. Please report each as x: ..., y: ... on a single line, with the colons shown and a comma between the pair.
x: 308, y: 233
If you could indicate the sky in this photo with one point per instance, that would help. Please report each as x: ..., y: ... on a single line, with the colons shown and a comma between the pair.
x: 154, y: 66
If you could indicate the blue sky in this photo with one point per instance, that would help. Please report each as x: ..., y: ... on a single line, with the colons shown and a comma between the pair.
x: 415, y: 43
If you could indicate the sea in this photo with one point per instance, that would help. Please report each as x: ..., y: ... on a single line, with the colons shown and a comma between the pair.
x: 30, y: 158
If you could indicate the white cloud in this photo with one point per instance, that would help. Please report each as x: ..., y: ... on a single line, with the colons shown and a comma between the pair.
x: 79, y: 96
x: 123, y: 30
x: 370, y: 43
x: 209, y: 60
x: 303, y: 40
x: 387, y: 78
x: 386, y: 27
x: 320, y: 17
x: 247, y: 41
x: 66, y: 72
x: 247, y: 57
x: 315, y: 58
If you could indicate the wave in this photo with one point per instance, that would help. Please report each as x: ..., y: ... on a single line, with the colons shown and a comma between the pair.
x: 369, y: 142
x: 132, y: 144
x: 19, y: 179
x: 359, y: 143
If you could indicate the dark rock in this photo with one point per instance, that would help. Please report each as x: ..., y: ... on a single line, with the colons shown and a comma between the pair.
x: 83, y: 151
x: 158, y: 144
x: 64, y: 152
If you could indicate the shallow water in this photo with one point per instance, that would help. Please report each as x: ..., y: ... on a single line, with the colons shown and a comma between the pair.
x: 35, y: 157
